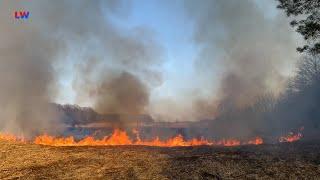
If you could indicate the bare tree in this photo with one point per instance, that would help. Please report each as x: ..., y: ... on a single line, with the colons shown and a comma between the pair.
x: 308, y: 73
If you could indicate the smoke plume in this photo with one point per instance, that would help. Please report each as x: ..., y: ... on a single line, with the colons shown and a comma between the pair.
x: 115, y: 67
x: 118, y: 74
x: 251, y: 49
x: 122, y: 94
x: 26, y: 74
x: 31, y: 52
x: 250, y: 52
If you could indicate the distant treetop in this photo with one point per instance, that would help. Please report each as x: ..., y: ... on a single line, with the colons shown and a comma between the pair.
x: 306, y: 22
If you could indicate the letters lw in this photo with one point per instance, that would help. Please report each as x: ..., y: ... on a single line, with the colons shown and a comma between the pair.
x: 21, y: 14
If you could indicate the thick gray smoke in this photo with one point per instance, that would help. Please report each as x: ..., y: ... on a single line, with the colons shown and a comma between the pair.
x: 251, y: 49
x: 115, y: 73
x: 30, y: 51
x: 246, y: 50
x: 27, y: 81
x: 115, y: 66
x: 122, y: 94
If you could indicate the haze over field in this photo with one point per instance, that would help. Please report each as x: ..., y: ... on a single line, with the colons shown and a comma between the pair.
x: 160, y: 89
x: 173, y: 60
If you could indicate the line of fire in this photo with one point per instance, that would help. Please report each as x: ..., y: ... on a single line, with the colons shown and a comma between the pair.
x: 160, y: 89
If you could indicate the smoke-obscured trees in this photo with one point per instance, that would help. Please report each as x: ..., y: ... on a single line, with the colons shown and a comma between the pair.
x: 308, y: 73
x: 300, y: 104
x: 249, y: 121
x: 307, y: 22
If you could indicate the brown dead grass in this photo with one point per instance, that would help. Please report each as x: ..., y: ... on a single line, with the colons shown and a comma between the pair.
x: 285, y: 161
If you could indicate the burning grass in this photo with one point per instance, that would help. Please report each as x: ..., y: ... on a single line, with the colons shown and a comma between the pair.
x: 291, y: 137
x: 120, y: 157
x: 119, y: 137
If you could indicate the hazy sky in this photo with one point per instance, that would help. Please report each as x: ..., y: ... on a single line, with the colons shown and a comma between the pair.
x: 183, y: 54
x: 173, y: 30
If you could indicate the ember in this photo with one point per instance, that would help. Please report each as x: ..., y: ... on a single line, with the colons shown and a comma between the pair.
x: 291, y: 137
x: 256, y: 141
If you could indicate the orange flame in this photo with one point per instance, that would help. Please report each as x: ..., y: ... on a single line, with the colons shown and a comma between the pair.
x: 119, y: 137
x: 291, y: 137
x: 11, y: 137
x: 256, y: 141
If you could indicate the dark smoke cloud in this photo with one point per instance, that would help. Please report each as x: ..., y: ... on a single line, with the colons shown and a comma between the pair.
x: 250, y: 49
x: 102, y: 49
x: 31, y: 51
x: 27, y: 80
x: 122, y: 94
x: 116, y: 66
x: 118, y: 78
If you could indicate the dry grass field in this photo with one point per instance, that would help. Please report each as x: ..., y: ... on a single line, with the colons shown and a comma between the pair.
x: 283, y: 161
